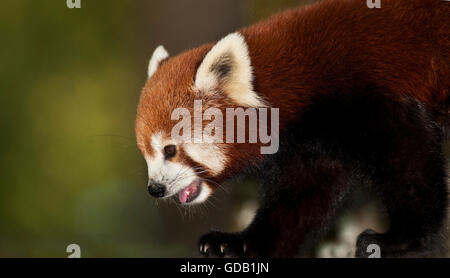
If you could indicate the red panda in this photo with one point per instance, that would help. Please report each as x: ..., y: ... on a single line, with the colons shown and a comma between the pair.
x: 362, y: 94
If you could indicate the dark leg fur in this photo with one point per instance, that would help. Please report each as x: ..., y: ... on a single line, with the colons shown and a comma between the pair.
x: 393, y: 142
x: 299, y: 200
x: 398, y: 146
x: 412, y: 183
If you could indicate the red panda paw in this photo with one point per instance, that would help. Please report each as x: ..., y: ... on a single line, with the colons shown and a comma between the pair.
x: 217, y: 244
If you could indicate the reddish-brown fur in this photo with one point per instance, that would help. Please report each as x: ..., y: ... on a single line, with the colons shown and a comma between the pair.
x: 331, y: 46
x: 403, y: 47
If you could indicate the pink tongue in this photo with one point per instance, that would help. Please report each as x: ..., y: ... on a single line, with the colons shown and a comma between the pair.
x: 189, y: 191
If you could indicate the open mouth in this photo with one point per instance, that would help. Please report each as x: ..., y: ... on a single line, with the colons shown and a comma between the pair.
x: 191, y: 192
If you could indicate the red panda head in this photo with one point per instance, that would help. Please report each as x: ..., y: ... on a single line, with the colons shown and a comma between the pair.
x: 221, y: 77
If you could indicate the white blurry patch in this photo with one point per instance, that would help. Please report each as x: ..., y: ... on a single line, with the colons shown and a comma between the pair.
x: 344, y: 246
x: 159, y: 54
x: 237, y: 83
x: 246, y: 214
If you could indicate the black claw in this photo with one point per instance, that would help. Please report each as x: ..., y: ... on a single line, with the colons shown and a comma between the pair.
x: 221, y: 245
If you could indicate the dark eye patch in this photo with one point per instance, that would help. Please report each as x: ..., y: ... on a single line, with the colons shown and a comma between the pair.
x: 170, y: 151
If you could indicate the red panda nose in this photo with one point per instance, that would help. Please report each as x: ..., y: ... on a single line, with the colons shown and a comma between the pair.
x: 157, y: 190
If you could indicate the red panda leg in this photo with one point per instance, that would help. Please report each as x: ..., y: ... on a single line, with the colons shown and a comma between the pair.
x: 415, y: 193
x: 299, y: 202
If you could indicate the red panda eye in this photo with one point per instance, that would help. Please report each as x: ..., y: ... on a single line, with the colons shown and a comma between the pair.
x: 170, y: 151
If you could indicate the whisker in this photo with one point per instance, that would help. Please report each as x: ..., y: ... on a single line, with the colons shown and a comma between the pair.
x: 178, y: 208
x: 220, y: 186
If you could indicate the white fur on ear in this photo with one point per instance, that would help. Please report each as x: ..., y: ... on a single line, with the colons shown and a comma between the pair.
x: 159, y: 54
x: 227, y: 66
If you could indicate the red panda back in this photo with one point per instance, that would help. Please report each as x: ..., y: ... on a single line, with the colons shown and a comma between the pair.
x: 336, y: 45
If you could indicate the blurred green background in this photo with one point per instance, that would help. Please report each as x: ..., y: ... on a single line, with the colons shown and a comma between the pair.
x: 70, y: 169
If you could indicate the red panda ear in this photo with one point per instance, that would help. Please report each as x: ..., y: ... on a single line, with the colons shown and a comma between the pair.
x: 159, y: 55
x: 227, y: 67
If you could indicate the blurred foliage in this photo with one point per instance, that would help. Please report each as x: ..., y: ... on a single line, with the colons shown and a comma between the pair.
x: 68, y: 91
